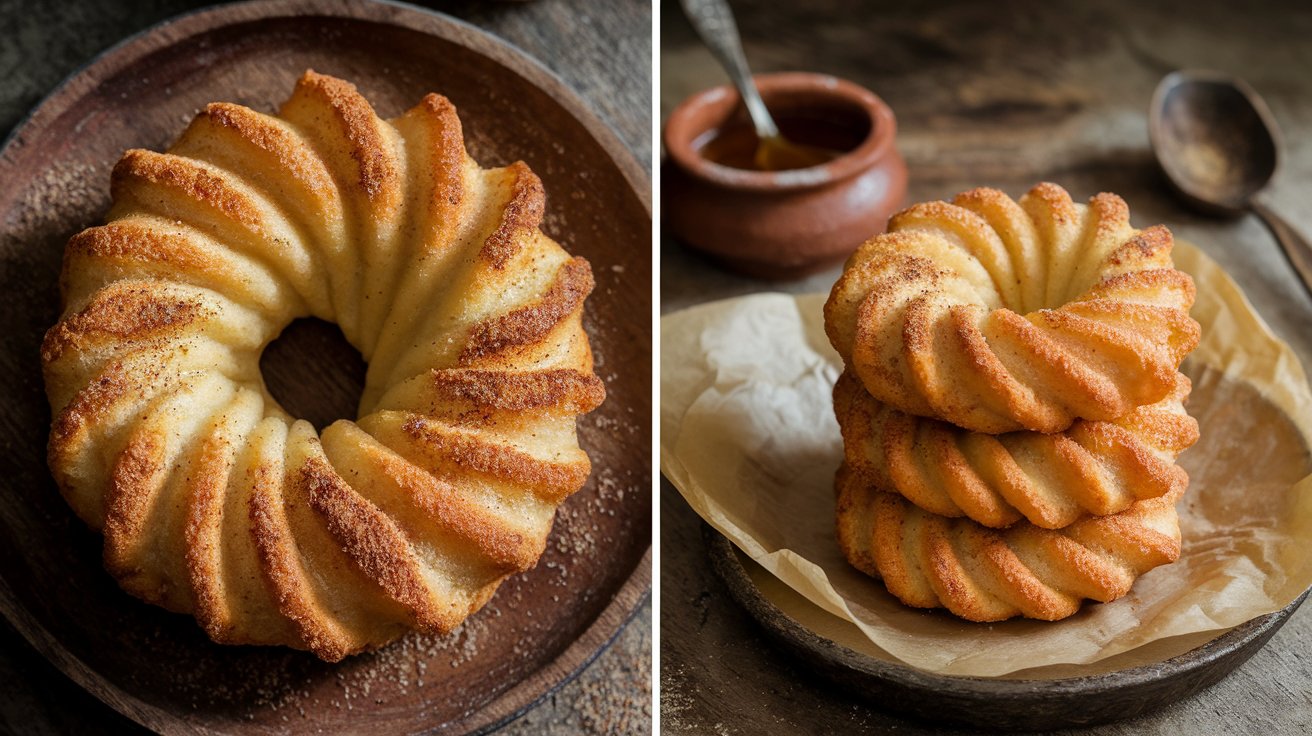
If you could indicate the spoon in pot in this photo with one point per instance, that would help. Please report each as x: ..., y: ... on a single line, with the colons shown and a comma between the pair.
x: 1219, y: 146
x: 713, y: 21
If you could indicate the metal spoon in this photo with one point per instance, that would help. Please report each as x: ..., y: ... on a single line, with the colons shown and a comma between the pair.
x: 1219, y: 146
x: 713, y: 21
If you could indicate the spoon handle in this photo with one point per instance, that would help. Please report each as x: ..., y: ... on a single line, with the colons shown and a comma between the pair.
x: 713, y: 20
x: 1296, y: 247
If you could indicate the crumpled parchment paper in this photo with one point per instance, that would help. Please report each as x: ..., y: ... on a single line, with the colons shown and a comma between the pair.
x: 749, y: 438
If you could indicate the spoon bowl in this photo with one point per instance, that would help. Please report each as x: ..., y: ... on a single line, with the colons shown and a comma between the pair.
x: 1219, y: 146
x: 1215, y: 138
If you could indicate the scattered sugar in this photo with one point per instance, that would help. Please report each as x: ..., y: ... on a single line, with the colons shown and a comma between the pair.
x: 61, y: 200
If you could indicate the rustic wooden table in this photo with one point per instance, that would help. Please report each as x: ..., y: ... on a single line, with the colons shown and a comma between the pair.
x: 601, y: 51
x: 1003, y: 95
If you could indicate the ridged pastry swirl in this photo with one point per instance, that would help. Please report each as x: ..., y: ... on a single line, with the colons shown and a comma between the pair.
x: 980, y: 574
x: 213, y: 501
x: 998, y: 316
x: 1050, y: 480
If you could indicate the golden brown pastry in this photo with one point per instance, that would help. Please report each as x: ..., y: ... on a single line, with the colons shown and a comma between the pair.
x: 997, y: 315
x: 213, y: 501
x: 1051, y: 480
x: 981, y: 574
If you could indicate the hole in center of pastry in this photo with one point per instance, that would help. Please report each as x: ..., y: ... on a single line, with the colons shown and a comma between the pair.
x: 314, y: 373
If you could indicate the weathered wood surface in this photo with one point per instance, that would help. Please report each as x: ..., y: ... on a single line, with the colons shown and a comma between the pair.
x: 602, y: 52
x: 1004, y: 95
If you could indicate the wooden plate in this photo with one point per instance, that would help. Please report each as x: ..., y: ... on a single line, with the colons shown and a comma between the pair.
x: 992, y: 703
x: 543, y: 626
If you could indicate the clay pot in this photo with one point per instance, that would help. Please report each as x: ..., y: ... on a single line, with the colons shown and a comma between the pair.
x: 781, y: 224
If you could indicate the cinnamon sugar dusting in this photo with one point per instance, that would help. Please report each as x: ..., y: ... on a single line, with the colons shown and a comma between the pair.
x: 531, y: 323
x: 187, y: 177
x: 521, y: 215
x: 563, y: 389
x: 359, y: 127
x: 129, y: 312
x: 552, y: 480
x: 1148, y: 243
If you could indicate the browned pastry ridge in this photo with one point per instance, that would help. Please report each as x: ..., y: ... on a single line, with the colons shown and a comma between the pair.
x: 998, y: 315
x: 214, y: 501
x: 1051, y: 480
x: 981, y: 574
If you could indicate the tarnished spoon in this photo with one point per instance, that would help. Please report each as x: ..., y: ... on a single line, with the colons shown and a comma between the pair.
x: 1219, y: 146
x: 713, y: 21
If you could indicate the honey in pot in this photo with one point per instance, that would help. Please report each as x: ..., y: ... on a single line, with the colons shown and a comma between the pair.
x: 811, y: 138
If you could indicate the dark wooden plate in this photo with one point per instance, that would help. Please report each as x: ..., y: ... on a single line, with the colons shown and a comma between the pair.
x: 543, y: 626
x: 995, y: 703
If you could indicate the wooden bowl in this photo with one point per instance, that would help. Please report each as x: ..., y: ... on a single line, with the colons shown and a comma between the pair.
x: 995, y: 703
x: 543, y: 626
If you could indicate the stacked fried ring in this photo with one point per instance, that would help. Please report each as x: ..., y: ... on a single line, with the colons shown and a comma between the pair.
x: 1012, y: 407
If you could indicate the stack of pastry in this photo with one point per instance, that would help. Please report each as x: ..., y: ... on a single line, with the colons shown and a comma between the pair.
x: 1012, y: 406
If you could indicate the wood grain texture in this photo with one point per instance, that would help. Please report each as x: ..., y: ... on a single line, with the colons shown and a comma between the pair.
x: 1004, y: 95
x: 594, y: 575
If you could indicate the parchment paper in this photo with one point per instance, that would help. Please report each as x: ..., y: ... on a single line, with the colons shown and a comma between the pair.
x: 749, y: 438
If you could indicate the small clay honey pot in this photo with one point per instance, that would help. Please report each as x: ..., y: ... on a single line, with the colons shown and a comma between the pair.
x: 791, y: 223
